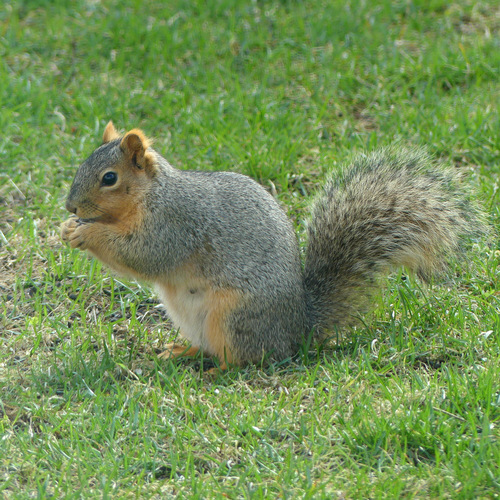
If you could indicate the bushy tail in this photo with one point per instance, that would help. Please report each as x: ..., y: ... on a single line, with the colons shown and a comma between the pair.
x: 388, y: 209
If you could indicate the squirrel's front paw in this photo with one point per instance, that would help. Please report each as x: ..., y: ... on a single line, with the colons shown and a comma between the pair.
x: 72, y: 232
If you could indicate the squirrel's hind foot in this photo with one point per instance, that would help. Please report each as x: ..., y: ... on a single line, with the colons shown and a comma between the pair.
x: 174, y: 351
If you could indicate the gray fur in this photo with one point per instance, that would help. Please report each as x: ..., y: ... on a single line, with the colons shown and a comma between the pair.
x: 389, y: 208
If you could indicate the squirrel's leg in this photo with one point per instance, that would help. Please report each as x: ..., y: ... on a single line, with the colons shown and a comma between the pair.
x: 203, y: 314
x: 176, y: 351
x: 222, y: 303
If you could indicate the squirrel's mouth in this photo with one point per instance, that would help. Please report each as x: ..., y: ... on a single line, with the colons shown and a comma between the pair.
x: 102, y: 218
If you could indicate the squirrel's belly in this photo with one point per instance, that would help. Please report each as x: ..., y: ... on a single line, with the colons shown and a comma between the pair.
x: 187, y: 307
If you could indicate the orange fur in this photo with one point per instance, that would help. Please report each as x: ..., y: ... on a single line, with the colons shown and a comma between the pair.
x: 97, y: 238
x: 174, y: 351
x: 120, y: 212
x: 110, y: 133
x: 220, y: 304
x: 135, y: 146
x: 135, y: 140
x: 201, y: 311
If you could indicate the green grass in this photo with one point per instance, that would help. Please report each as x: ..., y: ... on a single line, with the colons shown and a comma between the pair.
x: 283, y: 91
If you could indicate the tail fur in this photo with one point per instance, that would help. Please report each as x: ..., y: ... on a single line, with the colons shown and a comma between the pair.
x: 388, y: 209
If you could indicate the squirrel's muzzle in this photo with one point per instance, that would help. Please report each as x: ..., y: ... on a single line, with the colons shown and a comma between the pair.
x: 70, y: 207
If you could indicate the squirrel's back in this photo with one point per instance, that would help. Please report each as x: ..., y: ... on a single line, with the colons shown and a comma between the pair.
x: 231, y: 222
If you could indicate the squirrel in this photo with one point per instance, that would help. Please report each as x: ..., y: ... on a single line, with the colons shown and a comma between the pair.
x: 225, y: 260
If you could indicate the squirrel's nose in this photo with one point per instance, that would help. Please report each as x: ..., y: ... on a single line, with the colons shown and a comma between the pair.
x: 70, y: 207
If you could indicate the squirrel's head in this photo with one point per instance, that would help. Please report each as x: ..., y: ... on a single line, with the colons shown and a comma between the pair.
x: 110, y: 184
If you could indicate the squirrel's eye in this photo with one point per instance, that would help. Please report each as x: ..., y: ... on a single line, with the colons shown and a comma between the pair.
x: 109, y: 178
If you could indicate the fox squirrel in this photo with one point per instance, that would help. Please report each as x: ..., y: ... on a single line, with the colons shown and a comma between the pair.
x: 224, y: 258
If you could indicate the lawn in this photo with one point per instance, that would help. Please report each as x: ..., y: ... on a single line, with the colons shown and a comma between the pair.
x: 405, y: 406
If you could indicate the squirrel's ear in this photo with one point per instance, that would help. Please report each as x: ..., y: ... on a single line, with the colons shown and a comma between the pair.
x: 135, y: 144
x: 110, y: 133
